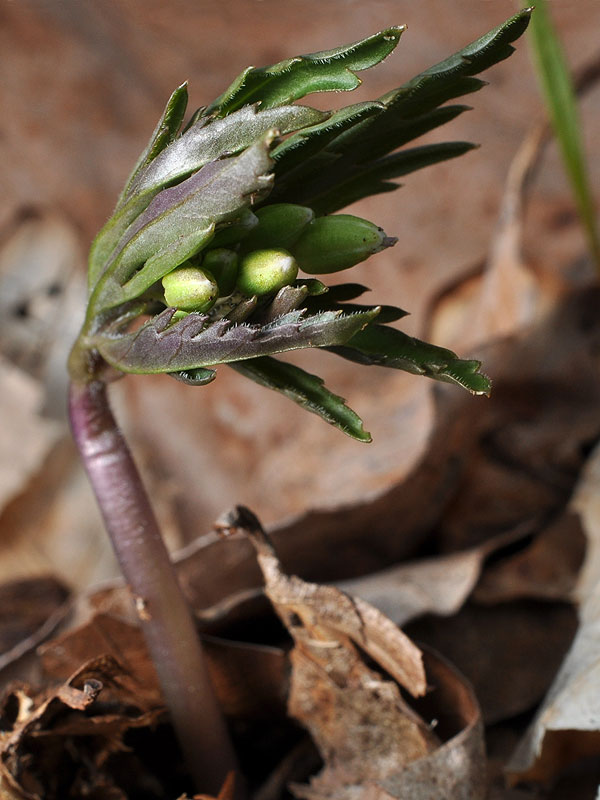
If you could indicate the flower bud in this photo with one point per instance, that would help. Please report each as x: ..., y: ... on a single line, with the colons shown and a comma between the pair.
x: 236, y: 230
x: 279, y: 225
x: 266, y: 271
x: 189, y: 288
x: 333, y: 243
x: 223, y: 266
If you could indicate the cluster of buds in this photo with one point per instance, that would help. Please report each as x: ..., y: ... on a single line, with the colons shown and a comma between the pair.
x: 262, y: 252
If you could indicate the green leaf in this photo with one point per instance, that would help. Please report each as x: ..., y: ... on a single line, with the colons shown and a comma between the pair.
x: 164, y: 133
x: 179, y: 221
x: 557, y: 86
x: 329, y: 193
x: 305, y: 389
x: 289, y: 80
x: 405, y: 113
x: 388, y: 347
x: 204, y: 142
x: 300, y: 146
x: 195, y: 377
x: 195, y: 341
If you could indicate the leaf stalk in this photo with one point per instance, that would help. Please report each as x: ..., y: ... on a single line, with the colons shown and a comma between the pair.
x: 164, y: 614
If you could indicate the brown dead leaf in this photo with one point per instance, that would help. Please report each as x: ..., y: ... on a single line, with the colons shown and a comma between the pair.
x: 506, y: 294
x: 545, y: 569
x: 250, y: 679
x: 509, y: 652
x: 42, y: 300
x: 567, y: 726
x: 373, y: 744
x: 62, y: 743
x: 438, y: 585
x: 25, y: 437
x: 30, y: 611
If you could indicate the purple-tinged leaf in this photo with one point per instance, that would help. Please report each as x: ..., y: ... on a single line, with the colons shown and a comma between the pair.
x: 195, y: 342
x: 164, y: 133
x: 179, y: 221
x: 205, y: 141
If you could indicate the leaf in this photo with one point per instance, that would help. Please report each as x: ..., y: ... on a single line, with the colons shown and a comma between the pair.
x: 164, y: 133
x: 388, y: 347
x: 557, y: 87
x: 328, y: 194
x: 297, y: 148
x: 305, y: 389
x: 193, y: 342
x: 179, y: 221
x: 567, y: 725
x: 289, y: 80
x: 195, y: 377
x: 407, y: 112
x: 201, y: 144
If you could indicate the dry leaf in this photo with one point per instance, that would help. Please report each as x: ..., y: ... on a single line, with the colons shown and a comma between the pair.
x: 546, y: 569
x: 567, y: 726
x: 25, y: 437
x: 509, y: 652
x: 30, y: 611
x: 438, y: 585
x: 69, y: 740
x: 373, y: 744
x: 506, y: 295
x: 250, y: 679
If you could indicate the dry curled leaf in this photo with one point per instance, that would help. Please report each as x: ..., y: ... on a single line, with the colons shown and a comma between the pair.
x: 373, y: 743
x: 69, y: 740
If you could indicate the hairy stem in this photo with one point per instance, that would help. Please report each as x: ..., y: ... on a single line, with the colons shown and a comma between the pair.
x: 164, y: 614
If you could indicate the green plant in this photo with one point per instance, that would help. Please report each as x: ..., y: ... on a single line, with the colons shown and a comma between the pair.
x: 561, y: 104
x: 218, y: 218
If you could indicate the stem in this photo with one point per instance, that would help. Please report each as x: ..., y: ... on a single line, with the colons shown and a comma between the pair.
x: 164, y: 614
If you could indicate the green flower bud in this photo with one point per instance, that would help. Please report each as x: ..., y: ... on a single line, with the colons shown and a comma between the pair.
x: 266, y: 271
x: 223, y: 266
x: 189, y: 288
x: 279, y: 225
x: 333, y: 243
x: 236, y: 230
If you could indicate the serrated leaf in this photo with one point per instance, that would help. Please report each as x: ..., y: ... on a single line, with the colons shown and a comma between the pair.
x: 386, y: 313
x: 201, y: 144
x: 407, y: 112
x: 292, y: 79
x: 388, y: 347
x: 305, y: 389
x: 179, y: 221
x: 196, y: 342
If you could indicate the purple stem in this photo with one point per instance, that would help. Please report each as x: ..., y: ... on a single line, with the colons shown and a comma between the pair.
x: 164, y: 614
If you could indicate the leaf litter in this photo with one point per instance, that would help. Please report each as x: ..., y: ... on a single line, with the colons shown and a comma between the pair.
x: 487, y: 540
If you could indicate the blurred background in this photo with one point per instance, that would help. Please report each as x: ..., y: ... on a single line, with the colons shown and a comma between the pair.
x: 82, y: 85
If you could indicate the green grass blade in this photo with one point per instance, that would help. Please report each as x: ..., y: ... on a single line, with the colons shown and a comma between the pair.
x: 561, y: 103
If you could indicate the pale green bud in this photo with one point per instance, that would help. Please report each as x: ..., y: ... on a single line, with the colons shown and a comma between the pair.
x: 279, y: 225
x: 189, y: 288
x: 235, y: 231
x: 266, y: 271
x: 336, y: 242
x: 223, y: 266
